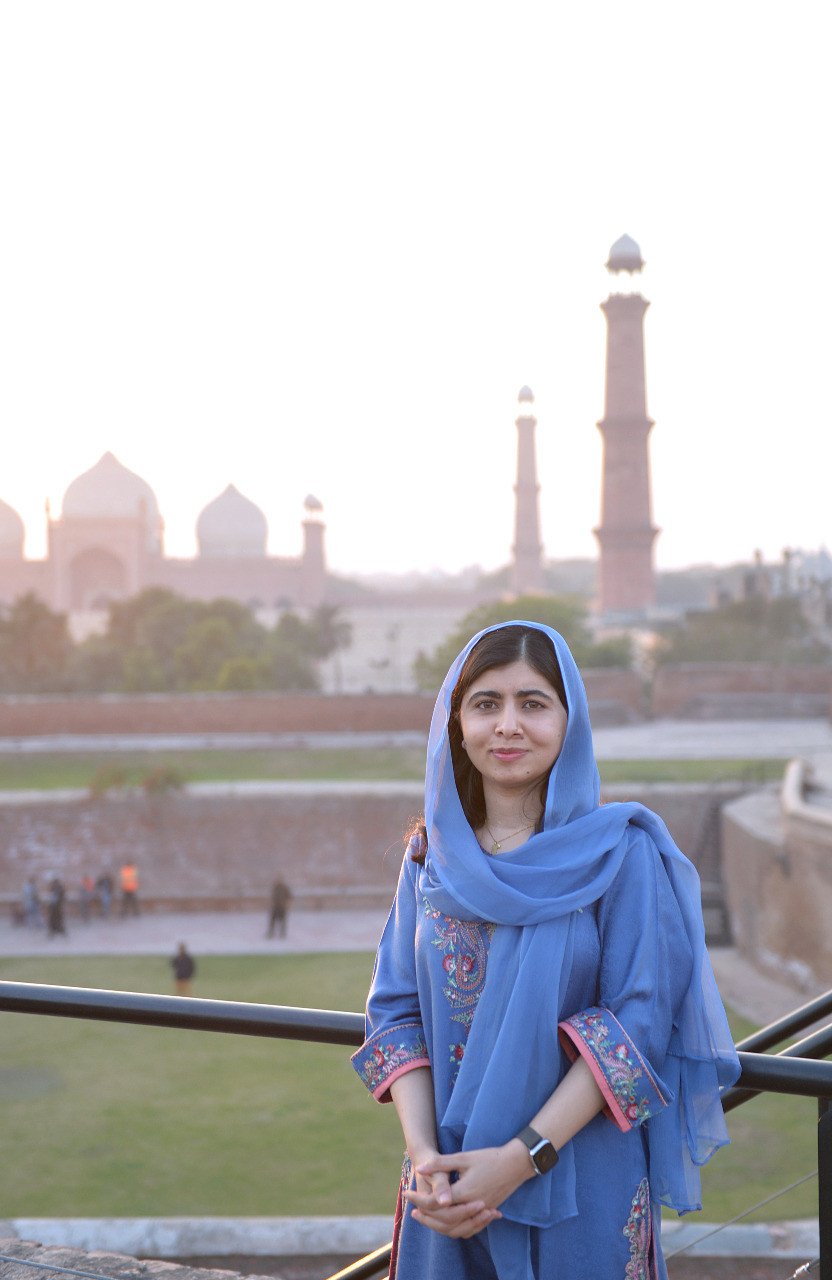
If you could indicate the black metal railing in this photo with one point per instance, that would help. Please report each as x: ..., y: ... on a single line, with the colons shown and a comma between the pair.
x: 322, y: 1026
x: 795, y: 1070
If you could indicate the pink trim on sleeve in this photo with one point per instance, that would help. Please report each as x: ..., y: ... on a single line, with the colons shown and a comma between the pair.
x: 388, y: 1054
x: 574, y: 1046
x: 382, y: 1092
x: 631, y: 1092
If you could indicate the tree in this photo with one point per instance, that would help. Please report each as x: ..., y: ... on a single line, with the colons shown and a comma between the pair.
x: 329, y: 631
x: 242, y: 675
x: 35, y: 646
x: 753, y: 630
x: 208, y: 645
x: 160, y: 641
x: 291, y: 655
x: 561, y: 613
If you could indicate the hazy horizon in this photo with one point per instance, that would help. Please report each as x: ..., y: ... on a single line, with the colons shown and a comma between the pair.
x: 318, y: 249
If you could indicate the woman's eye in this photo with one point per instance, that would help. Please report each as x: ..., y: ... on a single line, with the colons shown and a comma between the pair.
x: 485, y: 704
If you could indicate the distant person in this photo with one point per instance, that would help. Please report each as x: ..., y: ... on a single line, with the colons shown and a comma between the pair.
x: 86, y: 895
x: 55, y: 903
x: 129, y: 878
x: 184, y: 968
x: 281, y: 897
x: 32, y: 913
x: 104, y: 890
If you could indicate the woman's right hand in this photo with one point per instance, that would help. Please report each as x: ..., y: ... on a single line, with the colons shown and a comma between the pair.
x: 433, y: 1204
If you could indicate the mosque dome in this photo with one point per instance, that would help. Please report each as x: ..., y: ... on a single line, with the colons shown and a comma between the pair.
x: 11, y: 533
x: 525, y: 395
x: 110, y: 491
x: 231, y: 525
x: 625, y: 255
x: 311, y: 503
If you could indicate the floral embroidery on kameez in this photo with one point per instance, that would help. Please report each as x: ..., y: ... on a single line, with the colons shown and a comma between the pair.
x: 618, y: 1062
x: 457, y: 1054
x: 464, y: 947
x: 638, y: 1231
x: 386, y: 1058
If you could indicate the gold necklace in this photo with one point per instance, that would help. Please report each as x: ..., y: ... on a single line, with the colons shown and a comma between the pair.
x: 498, y: 844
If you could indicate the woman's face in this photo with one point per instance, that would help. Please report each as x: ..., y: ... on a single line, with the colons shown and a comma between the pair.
x: 513, y: 725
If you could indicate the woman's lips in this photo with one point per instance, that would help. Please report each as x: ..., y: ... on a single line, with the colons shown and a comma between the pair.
x: 503, y: 754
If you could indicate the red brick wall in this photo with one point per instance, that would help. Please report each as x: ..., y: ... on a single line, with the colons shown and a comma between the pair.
x: 613, y: 694
x: 213, y: 713
x: 681, y: 689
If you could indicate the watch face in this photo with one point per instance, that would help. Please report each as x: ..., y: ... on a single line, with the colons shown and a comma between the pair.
x: 545, y: 1157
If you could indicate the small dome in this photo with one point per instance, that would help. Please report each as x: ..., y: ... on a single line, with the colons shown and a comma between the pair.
x: 232, y: 525
x: 311, y: 503
x: 526, y: 395
x: 625, y: 255
x: 109, y: 491
x: 11, y: 533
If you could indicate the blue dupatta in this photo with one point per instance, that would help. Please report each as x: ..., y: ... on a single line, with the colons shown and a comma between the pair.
x: 513, y: 1060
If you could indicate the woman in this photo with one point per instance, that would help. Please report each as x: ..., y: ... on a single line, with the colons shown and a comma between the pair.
x: 543, y: 1013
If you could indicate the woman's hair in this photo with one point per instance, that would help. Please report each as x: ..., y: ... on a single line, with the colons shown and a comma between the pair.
x: 496, y: 649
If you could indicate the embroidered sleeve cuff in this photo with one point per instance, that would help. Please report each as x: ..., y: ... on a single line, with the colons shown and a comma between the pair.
x: 388, y: 1055
x: 631, y: 1092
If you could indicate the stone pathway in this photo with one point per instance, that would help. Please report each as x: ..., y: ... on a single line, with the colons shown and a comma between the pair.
x: 209, y: 933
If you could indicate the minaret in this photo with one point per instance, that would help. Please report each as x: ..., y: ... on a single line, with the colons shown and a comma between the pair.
x: 626, y: 533
x: 527, y: 565
x: 313, y: 560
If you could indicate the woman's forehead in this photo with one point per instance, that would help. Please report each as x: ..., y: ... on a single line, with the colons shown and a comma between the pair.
x: 513, y: 676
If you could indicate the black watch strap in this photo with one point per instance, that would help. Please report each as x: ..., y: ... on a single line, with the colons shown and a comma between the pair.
x: 541, y: 1152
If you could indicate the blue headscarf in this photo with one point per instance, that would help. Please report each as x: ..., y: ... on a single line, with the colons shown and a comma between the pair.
x: 534, y: 890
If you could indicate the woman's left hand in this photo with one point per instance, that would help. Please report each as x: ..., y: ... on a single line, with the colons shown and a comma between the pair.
x: 488, y: 1176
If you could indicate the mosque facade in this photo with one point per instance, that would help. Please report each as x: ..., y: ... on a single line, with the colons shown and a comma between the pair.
x: 108, y: 541
x: 108, y: 544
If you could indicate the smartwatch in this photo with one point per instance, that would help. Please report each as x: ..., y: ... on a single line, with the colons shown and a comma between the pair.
x: 541, y: 1152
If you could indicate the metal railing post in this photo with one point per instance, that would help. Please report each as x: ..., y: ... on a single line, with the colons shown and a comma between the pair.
x: 825, y: 1186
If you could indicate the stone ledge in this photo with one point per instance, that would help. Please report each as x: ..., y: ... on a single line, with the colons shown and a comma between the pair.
x: 279, y: 1238
x: 218, y: 1237
x: 18, y: 1256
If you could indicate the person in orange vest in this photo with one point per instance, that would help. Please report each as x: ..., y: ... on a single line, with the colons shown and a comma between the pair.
x: 129, y: 878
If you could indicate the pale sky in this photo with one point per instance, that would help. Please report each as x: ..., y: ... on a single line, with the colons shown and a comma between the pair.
x: 318, y: 247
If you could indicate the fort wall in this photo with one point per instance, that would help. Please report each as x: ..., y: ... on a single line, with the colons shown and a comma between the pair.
x: 679, y: 691
x: 777, y: 872
x: 747, y: 690
x: 221, y: 846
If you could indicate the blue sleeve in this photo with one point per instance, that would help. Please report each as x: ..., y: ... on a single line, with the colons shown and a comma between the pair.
x: 646, y: 966
x: 395, y: 1038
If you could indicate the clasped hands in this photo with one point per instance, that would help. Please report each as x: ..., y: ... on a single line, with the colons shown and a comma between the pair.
x: 486, y: 1177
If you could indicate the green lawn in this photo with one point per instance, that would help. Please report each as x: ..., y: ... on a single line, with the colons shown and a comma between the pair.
x: 773, y: 1143
x: 108, y: 1120
x: 47, y: 772
x: 111, y: 1120
x: 753, y: 772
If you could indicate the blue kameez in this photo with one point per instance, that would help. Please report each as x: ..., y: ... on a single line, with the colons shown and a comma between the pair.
x: 430, y: 971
